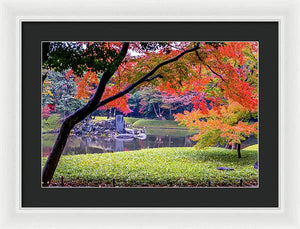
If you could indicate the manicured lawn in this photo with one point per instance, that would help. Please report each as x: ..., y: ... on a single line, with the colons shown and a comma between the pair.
x: 157, y: 127
x: 130, y: 120
x: 182, y: 166
x: 252, y: 148
x: 152, y: 123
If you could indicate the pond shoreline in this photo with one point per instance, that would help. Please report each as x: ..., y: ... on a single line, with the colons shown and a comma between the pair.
x: 163, y: 128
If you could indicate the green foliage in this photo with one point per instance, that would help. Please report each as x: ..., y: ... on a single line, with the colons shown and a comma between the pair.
x: 80, y: 56
x: 151, y: 103
x: 62, y: 93
x: 179, y: 166
x: 134, y: 104
x: 52, y: 123
x: 209, y: 138
x: 252, y: 62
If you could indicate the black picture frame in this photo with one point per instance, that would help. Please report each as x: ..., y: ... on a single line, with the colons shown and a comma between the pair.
x: 266, y: 195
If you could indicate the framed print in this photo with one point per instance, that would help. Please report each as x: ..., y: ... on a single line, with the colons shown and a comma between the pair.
x: 126, y: 178
x: 229, y: 70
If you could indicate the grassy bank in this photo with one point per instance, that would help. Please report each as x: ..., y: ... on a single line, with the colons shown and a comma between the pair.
x: 157, y: 127
x: 152, y: 123
x: 52, y: 123
x: 160, y: 167
x: 148, y: 123
x: 130, y: 120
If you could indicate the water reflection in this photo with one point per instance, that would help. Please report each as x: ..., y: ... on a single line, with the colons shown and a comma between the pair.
x: 94, y: 144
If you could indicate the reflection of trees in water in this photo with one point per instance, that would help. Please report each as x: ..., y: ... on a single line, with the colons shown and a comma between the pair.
x: 188, y: 142
x: 84, y: 145
x: 141, y: 144
x: 46, y: 151
x: 119, y: 145
x: 158, y: 142
x: 87, y: 144
x: 95, y: 144
x: 169, y: 141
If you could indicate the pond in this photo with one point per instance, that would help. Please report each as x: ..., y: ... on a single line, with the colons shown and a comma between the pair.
x: 102, y: 144
x: 93, y: 144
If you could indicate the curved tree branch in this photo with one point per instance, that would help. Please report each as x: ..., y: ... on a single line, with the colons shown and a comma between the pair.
x: 220, y: 76
x: 80, y: 114
x: 146, y: 77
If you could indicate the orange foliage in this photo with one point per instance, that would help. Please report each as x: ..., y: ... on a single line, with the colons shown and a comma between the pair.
x: 226, y: 123
x: 86, y: 84
x: 121, y: 103
x: 220, y: 77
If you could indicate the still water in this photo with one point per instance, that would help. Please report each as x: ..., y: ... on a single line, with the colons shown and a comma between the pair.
x: 93, y: 144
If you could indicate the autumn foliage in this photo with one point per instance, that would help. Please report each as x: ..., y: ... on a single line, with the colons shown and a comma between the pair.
x: 220, y: 79
x: 227, y: 95
x: 86, y: 87
x: 221, y: 125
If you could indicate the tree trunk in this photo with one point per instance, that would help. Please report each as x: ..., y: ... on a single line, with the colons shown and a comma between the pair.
x: 56, y: 152
x: 238, y: 148
x: 63, y: 135
x: 76, y: 117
